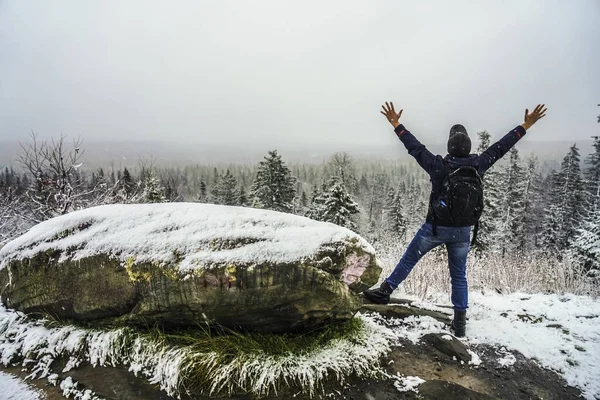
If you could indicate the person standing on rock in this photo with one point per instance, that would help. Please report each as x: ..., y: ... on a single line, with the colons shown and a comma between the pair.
x: 455, y: 205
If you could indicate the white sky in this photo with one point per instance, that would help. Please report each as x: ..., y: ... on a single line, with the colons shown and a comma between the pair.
x: 295, y: 72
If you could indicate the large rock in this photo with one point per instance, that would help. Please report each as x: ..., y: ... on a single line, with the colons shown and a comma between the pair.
x: 181, y: 264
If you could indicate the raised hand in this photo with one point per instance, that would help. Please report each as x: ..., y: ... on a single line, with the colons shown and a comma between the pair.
x: 390, y: 114
x: 538, y: 113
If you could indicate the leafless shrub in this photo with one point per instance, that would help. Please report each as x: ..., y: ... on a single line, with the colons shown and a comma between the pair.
x: 512, y: 273
x: 56, y: 184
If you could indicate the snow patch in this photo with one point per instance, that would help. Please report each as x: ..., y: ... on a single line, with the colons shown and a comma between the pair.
x: 412, y: 328
x: 508, y: 360
x: 12, y: 388
x: 53, y: 379
x: 70, y: 390
x: 475, y: 360
x: 408, y: 383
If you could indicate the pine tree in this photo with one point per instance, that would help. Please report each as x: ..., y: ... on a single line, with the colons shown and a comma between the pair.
x: 125, y: 190
x: 585, y: 249
x: 487, y: 237
x: 592, y: 177
x: 512, y: 206
x: 303, y: 200
x: 377, y: 199
x: 532, y: 207
x: 225, y: 191
x: 201, y: 196
x: 586, y: 244
x: 111, y: 178
x: 338, y: 206
x: 363, y: 185
x: 274, y: 187
x: 317, y: 203
x: 127, y: 182
x: 314, y: 193
x: 153, y: 192
x: 566, y: 205
x: 216, y: 176
x: 395, y: 218
x: 243, y: 200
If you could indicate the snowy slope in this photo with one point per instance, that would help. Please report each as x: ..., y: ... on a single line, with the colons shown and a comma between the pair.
x: 163, y: 232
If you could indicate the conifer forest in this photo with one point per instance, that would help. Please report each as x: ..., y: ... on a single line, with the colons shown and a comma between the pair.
x: 540, y: 226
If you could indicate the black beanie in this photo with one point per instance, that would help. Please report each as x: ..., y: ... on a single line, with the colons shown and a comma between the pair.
x: 459, y: 143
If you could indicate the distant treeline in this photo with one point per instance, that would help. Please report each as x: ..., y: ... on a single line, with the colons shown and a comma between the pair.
x: 527, y: 211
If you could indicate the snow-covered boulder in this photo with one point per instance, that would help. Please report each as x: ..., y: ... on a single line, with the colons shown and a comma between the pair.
x: 179, y: 264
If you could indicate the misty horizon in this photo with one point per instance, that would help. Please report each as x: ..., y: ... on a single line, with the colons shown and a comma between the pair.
x: 290, y: 74
x: 164, y: 154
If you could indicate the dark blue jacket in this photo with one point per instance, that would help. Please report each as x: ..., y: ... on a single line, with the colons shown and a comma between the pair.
x: 434, y: 164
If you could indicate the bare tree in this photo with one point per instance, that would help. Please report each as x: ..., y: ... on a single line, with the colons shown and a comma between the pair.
x: 11, y: 223
x: 57, y: 186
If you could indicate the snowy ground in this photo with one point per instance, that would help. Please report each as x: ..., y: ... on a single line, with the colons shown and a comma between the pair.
x: 12, y: 388
x: 165, y: 365
x: 560, y: 332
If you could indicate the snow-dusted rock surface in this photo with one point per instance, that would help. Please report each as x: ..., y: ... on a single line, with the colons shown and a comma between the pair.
x: 181, y: 263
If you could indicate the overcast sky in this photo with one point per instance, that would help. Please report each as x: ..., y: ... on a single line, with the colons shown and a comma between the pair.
x: 296, y: 72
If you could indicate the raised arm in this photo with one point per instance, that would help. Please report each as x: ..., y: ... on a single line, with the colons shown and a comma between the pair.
x: 501, y: 147
x: 415, y: 148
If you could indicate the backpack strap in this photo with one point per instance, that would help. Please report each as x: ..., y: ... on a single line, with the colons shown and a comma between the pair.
x: 475, y: 230
x: 434, y: 225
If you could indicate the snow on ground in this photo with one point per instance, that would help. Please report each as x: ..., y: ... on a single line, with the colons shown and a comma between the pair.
x: 475, y: 360
x: 70, y: 390
x: 165, y: 366
x: 167, y: 231
x: 559, y: 332
x: 507, y: 359
x: 12, y: 388
x: 408, y: 383
x: 412, y: 328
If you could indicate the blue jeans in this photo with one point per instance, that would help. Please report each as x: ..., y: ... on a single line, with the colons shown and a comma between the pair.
x: 457, y: 242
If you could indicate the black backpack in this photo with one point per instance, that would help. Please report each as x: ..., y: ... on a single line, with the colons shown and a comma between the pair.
x: 460, y: 202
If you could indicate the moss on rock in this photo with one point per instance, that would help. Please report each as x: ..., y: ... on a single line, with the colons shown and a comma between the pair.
x: 108, y: 289
x: 258, y: 297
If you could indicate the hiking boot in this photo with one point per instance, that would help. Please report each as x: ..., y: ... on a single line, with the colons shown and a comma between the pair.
x: 459, y: 323
x: 381, y: 295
